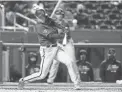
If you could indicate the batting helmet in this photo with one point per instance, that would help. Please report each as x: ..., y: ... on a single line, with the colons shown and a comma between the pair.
x: 40, y: 11
x: 37, y: 10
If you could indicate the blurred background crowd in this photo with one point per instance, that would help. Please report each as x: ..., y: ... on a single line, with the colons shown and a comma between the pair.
x: 86, y: 14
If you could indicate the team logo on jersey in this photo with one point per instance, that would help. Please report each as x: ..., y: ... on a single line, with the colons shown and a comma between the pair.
x: 112, y: 68
x: 84, y: 69
x: 34, y: 70
x: 45, y: 31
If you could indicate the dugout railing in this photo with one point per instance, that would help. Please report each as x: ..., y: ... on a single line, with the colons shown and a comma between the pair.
x: 16, y: 25
x: 2, y: 16
x: 4, y: 54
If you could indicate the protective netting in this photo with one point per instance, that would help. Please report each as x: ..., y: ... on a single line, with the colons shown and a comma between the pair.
x: 61, y: 87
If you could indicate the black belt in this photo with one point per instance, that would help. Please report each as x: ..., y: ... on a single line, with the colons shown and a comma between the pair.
x: 52, y: 45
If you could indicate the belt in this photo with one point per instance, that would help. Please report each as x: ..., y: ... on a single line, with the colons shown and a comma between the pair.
x: 52, y: 45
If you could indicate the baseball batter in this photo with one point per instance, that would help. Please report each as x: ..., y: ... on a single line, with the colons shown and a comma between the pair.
x: 48, y: 35
x: 68, y: 48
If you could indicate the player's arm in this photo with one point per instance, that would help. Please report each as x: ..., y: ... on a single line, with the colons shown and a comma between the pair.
x: 51, y: 22
x: 64, y: 27
x: 55, y: 36
x: 47, y: 33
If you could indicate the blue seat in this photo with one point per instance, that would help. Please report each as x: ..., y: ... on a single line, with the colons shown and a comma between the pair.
x: 97, y: 16
x: 108, y: 22
x: 115, y: 22
x: 119, y: 6
x: 100, y: 11
x: 90, y: 6
x: 115, y: 11
x: 93, y: 22
x: 119, y: 27
x: 99, y: 21
x: 105, y: 6
x: 87, y: 26
x: 104, y: 26
x: 120, y: 22
x: 113, y: 16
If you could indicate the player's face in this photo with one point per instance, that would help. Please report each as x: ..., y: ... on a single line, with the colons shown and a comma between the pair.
x: 33, y: 59
x: 83, y: 57
x: 111, y: 54
x: 59, y: 17
x: 40, y: 13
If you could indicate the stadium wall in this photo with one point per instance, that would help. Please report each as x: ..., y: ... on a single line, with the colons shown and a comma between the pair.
x: 97, y: 36
x: 101, y: 36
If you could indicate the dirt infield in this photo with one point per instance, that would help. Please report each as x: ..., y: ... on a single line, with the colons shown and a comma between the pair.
x: 61, y: 87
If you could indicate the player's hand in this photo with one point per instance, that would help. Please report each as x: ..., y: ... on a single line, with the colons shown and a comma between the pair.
x: 60, y: 46
x: 66, y: 30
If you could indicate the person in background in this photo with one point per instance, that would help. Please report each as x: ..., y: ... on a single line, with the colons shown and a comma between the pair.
x: 111, y: 68
x: 11, y: 8
x: 32, y: 66
x: 85, y: 68
x: 14, y: 74
x: 9, y: 14
x: 31, y: 14
x: 69, y: 16
x: 81, y: 18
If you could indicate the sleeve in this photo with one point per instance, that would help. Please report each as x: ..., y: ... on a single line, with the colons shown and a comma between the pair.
x: 63, y: 28
x: 59, y: 26
x: 47, y: 33
x: 42, y: 30
x: 55, y: 36
x: 52, y: 23
x: 102, y: 71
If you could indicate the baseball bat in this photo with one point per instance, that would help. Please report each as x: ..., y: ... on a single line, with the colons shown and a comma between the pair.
x: 56, y: 7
